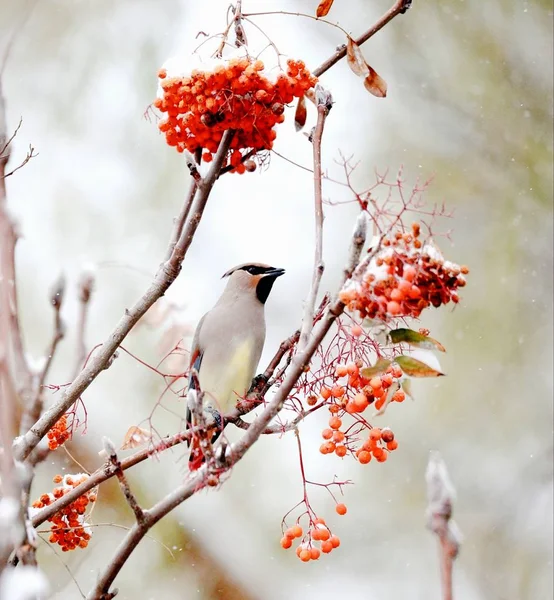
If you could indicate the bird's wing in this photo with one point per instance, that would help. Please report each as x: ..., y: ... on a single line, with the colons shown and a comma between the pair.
x: 196, y: 354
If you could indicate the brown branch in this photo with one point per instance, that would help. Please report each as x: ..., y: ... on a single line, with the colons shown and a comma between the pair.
x: 123, y: 483
x: 440, y: 497
x: 238, y: 450
x: 32, y: 412
x: 324, y: 103
x: 165, y: 276
x: 399, y: 7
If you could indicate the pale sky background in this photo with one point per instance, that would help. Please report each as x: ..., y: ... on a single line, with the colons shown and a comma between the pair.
x: 470, y: 103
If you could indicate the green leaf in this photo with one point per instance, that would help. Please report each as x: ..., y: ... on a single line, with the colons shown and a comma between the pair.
x: 414, y: 338
x: 416, y: 368
x: 379, y: 367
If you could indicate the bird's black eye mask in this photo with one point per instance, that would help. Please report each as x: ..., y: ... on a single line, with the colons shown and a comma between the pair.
x: 256, y: 269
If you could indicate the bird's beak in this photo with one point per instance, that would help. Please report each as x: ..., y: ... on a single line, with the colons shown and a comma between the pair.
x: 274, y: 273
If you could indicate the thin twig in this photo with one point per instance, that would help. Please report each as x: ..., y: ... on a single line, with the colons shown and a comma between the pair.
x: 86, y: 288
x: 324, y: 103
x: 165, y: 276
x: 123, y: 483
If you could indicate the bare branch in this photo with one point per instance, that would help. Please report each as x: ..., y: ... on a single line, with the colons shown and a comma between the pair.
x: 324, y: 103
x: 440, y: 497
x: 165, y: 276
x: 123, y: 483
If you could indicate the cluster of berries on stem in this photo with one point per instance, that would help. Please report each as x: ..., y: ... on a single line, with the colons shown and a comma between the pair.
x: 318, y: 532
x: 236, y: 95
x: 59, y: 434
x: 68, y: 528
x: 405, y: 277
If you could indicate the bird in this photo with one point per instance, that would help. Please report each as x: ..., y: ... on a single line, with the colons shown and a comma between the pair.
x: 227, y: 346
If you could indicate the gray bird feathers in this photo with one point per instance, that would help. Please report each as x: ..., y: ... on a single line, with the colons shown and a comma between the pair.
x: 229, y: 340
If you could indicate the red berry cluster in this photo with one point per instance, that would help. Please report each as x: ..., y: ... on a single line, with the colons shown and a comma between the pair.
x: 404, y: 278
x: 353, y: 396
x: 234, y: 95
x: 318, y: 532
x: 68, y: 528
x: 59, y: 434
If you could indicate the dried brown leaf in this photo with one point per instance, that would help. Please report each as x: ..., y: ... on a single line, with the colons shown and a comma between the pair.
x: 135, y: 436
x: 300, y: 114
x: 323, y: 8
x: 355, y: 59
x: 375, y: 84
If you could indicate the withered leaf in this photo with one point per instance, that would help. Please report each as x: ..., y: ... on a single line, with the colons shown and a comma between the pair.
x: 135, y: 436
x: 355, y: 58
x: 323, y: 8
x: 375, y: 84
x: 300, y: 114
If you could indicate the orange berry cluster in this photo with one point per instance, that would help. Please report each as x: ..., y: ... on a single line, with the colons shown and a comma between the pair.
x: 234, y: 95
x: 404, y: 278
x: 357, y: 393
x: 59, y: 434
x: 68, y: 528
x: 318, y: 532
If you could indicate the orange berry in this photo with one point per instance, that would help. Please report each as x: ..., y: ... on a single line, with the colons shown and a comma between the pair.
x: 409, y: 273
x: 319, y: 521
x: 341, y: 509
x: 311, y: 400
x: 375, y: 383
x: 375, y: 434
x: 414, y: 292
x: 356, y: 330
x: 326, y: 546
x: 335, y: 423
x: 378, y: 453
x: 323, y: 449
x: 393, y: 308
x: 327, y: 434
x: 324, y: 534
x: 305, y: 555
x: 57, y: 479
x: 162, y: 73
x: 325, y: 393
x: 335, y: 541
x: 207, y: 157
x: 337, y: 391
x: 352, y: 368
x: 340, y: 451
x: 289, y: 533
x: 286, y: 543
x: 338, y: 436
x: 341, y: 371
x: 397, y: 295
x: 399, y: 396
x: 350, y: 408
x: 315, y: 553
x: 316, y: 534
x: 364, y: 457
x: 334, y: 409
x: 296, y: 531
x: 386, y: 380
x: 360, y: 402
x: 393, y: 445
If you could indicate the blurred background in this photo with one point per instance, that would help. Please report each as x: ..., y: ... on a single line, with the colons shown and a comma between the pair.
x: 469, y: 104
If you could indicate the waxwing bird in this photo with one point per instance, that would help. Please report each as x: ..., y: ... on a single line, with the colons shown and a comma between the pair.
x: 228, y: 343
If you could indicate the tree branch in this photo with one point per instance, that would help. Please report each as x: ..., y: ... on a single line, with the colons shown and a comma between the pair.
x: 324, y: 103
x: 440, y: 494
x: 398, y: 8
x: 165, y: 276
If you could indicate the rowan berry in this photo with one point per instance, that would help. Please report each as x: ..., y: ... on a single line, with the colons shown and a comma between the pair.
x: 341, y: 509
